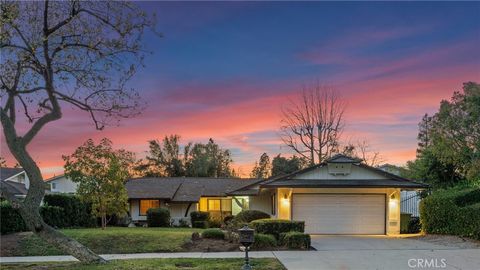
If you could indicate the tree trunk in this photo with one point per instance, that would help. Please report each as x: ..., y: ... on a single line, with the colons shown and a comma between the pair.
x: 29, y: 208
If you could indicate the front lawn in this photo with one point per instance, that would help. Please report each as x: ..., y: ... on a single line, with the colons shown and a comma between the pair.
x: 113, y: 240
x: 145, y: 264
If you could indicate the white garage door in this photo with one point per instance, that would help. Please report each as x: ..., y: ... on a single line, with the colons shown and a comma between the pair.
x: 340, y: 213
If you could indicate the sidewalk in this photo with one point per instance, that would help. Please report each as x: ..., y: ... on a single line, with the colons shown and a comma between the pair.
x: 217, y: 255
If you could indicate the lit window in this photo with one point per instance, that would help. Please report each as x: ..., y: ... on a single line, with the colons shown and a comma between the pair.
x: 147, y: 204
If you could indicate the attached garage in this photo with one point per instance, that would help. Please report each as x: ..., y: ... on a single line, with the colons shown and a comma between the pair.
x: 340, y: 213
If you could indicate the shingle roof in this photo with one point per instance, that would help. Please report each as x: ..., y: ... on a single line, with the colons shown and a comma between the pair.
x: 14, y: 187
x: 336, y: 183
x: 339, y: 158
x: 6, y: 173
x: 183, y: 189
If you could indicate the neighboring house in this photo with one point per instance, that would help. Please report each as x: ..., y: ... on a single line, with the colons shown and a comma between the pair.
x: 61, y: 184
x: 15, y: 180
x: 339, y: 196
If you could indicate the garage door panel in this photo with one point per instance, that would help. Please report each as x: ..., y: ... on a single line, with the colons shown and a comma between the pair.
x: 340, y: 213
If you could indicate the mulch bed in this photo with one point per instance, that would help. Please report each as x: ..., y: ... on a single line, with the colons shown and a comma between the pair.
x: 9, y: 243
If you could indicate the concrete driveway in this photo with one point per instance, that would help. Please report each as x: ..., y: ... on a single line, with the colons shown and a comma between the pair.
x: 379, y: 252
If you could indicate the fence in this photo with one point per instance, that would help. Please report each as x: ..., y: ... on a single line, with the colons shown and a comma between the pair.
x: 410, y: 204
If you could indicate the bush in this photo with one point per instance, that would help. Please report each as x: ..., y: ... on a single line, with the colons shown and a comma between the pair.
x: 11, y: 219
x: 414, y: 225
x: 199, y: 216
x: 264, y: 241
x: 227, y: 219
x: 200, y: 224
x: 277, y: 226
x: 213, y: 234
x: 158, y: 217
x: 214, y: 223
x: 468, y: 198
x: 77, y: 213
x: 247, y: 216
x: 183, y: 223
x: 440, y: 214
x: 295, y: 240
x: 54, y: 216
x: 404, y: 221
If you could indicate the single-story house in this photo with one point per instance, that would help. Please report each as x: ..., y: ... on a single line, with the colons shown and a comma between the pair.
x: 15, y: 180
x: 339, y: 196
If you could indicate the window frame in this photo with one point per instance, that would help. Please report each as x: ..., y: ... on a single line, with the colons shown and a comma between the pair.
x: 140, y: 206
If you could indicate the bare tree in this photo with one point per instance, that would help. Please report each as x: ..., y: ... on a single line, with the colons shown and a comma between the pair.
x: 64, y: 53
x: 313, y: 124
x: 363, y: 150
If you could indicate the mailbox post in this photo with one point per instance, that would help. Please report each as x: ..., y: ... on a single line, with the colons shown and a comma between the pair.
x: 246, y: 239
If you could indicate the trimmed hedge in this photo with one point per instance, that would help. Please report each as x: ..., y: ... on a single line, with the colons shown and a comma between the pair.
x: 440, y: 214
x: 295, y: 240
x: 200, y: 224
x: 213, y: 234
x: 468, y: 198
x: 158, y: 217
x: 11, y: 219
x: 264, y: 241
x: 199, y: 216
x: 277, y: 226
x: 77, y: 213
x: 54, y: 216
x: 247, y: 216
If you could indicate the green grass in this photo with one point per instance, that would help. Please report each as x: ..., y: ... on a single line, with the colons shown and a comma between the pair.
x: 164, y: 264
x: 114, y: 240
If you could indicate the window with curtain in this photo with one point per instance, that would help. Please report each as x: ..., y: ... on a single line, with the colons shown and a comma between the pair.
x: 147, y: 204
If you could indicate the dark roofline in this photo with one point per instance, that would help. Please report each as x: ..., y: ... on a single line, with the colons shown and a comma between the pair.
x: 54, y: 177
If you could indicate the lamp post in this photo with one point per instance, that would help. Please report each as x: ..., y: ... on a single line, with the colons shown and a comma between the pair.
x: 246, y: 238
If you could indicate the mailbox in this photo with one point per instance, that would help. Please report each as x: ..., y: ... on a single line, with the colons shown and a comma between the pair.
x: 246, y: 237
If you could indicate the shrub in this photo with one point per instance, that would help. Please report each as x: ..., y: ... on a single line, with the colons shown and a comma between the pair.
x: 199, y: 216
x: 183, y: 223
x: 440, y: 214
x: 468, y: 198
x: 277, y: 226
x: 11, y: 219
x: 414, y: 225
x: 200, y: 224
x: 158, y: 217
x: 404, y: 221
x: 227, y: 219
x: 54, y: 216
x: 214, y: 223
x: 213, y: 234
x: 77, y: 213
x: 247, y: 216
x: 295, y: 240
x: 264, y: 241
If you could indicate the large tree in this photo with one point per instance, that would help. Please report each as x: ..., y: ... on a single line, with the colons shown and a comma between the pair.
x: 313, y: 123
x: 282, y: 165
x: 54, y: 54
x: 101, y: 173
x: 262, y: 168
x: 164, y: 159
x: 208, y: 160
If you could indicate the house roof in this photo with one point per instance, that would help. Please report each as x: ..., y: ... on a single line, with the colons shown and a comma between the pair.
x: 6, y: 173
x: 14, y: 187
x: 294, y: 179
x: 183, y: 189
x: 340, y: 183
x: 55, y: 178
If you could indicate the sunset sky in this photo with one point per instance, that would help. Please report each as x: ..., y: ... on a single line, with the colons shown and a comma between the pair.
x: 224, y: 69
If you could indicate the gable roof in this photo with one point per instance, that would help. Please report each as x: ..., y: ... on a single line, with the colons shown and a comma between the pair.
x: 53, y: 178
x: 183, y: 189
x: 6, y: 172
x: 14, y: 187
x: 294, y: 179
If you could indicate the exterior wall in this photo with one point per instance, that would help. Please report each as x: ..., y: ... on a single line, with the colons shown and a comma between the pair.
x: 357, y: 173
x: 63, y: 185
x: 392, y: 219
x: 262, y: 202
x: 236, y: 208
x: 177, y: 210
